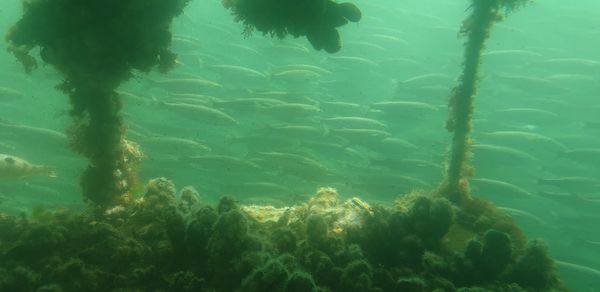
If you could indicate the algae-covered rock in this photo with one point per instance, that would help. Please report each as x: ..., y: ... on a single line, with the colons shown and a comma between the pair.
x: 157, y: 246
x: 535, y: 269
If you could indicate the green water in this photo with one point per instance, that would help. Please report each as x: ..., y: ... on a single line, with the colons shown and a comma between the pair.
x: 368, y: 121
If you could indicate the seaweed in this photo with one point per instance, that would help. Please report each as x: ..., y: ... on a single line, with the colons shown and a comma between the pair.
x: 315, y: 19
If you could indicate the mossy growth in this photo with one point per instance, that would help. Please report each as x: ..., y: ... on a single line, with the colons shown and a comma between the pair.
x: 95, y: 45
x: 164, y: 242
x: 315, y: 19
x: 476, y: 28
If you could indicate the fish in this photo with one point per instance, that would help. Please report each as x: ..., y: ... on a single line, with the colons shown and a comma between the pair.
x: 491, y: 151
x: 512, y: 54
x: 574, y: 184
x: 299, y: 132
x: 190, y: 100
x: 199, y: 98
x: 294, y: 164
x: 392, y: 147
x: 200, y: 113
x: 587, y: 278
x: 132, y: 98
x: 426, y: 79
x: 236, y: 71
x: 359, y: 136
x: 309, y: 67
x: 521, y: 213
x: 419, y: 168
x: 296, y: 75
x: 591, y: 125
x: 27, y: 136
x: 185, y: 85
x: 577, y: 202
x: 220, y: 163
x: 387, y: 39
x: 342, y: 108
x: 175, y: 145
x: 186, y: 43
x: 9, y: 94
x: 33, y: 132
x: 284, y: 96
x: 498, y: 189
x: 289, y: 48
x: 354, y: 62
x: 354, y: 122
x: 584, y: 155
x: 247, y: 104
x: 534, y: 141
x: 572, y: 64
x: 523, y: 82
x: 334, y: 152
x: 6, y: 146
x: 244, y: 50
x: 288, y: 111
x: 573, y: 81
x: 16, y: 167
x: 377, y: 183
x: 256, y: 189
x: 591, y: 243
x: 541, y: 113
x: 393, y: 108
x: 262, y: 142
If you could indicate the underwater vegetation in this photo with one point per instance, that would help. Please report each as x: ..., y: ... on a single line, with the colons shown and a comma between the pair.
x: 476, y: 28
x: 167, y: 242
x: 315, y: 19
x: 96, y: 45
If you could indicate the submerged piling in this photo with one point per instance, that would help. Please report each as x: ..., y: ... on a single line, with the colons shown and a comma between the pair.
x: 476, y: 28
x: 95, y: 45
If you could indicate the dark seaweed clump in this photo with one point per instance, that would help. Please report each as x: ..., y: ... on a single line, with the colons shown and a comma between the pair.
x: 95, y: 45
x: 315, y: 19
x: 164, y: 243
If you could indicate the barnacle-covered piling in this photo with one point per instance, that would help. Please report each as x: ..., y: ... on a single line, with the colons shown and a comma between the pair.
x: 95, y: 45
x: 476, y: 28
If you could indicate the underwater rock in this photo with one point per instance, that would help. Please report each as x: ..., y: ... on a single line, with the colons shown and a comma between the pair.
x: 496, y: 253
x: 487, y: 261
x: 159, y: 197
x: 324, y: 199
x: 273, y: 276
x: 357, y: 276
x: 284, y: 239
x: 199, y: 230
x: 300, y: 282
x: 226, y: 204
x: 188, y: 201
x: 535, y: 269
x: 431, y: 219
x: 316, y: 230
x: 412, y: 284
x: 186, y: 281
